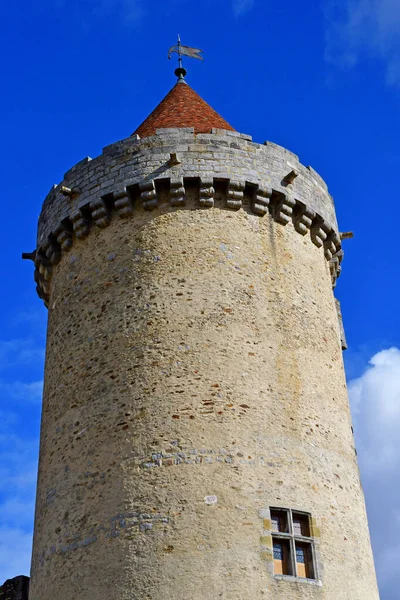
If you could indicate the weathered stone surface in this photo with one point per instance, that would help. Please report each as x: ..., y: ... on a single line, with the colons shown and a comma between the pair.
x: 15, y: 589
x: 194, y: 378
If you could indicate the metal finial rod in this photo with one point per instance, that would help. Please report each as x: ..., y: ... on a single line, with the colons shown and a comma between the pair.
x: 181, y: 50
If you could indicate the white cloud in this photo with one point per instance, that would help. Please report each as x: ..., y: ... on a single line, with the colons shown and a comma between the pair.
x: 375, y: 398
x: 375, y: 402
x: 19, y: 352
x: 129, y: 10
x: 356, y: 29
x: 26, y: 392
x: 241, y: 7
x: 15, y: 552
x: 18, y: 472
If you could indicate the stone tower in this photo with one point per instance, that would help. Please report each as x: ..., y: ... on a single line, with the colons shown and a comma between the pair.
x: 196, y: 438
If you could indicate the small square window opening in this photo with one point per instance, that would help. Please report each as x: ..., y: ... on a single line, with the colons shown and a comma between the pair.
x: 293, y: 546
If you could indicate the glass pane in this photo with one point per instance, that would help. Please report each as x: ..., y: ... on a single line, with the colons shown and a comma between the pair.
x: 300, y: 555
x: 301, y: 524
x: 278, y: 551
x: 296, y: 527
x: 282, y: 562
x: 279, y: 520
x: 274, y: 523
x: 304, y: 561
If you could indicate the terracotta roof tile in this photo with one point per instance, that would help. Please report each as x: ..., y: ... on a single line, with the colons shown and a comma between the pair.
x: 182, y: 107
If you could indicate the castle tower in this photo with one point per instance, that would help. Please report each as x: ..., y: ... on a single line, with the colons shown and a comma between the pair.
x: 196, y: 438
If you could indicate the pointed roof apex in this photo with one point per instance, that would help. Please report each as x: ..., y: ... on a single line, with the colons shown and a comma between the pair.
x: 182, y: 107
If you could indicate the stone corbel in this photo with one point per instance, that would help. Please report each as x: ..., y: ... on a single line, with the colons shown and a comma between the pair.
x: 123, y: 204
x: 148, y: 195
x: 79, y: 224
x: 302, y: 218
x: 283, y: 208
x: 319, y: 232
x: 177, y: 194
x: 100, y: 213
x: 262, y: 200
x: 331, y: 245
x: 235, y: 194
x: 207, y: 192
x: 64, y: 237
x: 52, y: 251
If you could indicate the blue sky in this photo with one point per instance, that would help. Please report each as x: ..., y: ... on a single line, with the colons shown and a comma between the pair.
x: 320, y: 77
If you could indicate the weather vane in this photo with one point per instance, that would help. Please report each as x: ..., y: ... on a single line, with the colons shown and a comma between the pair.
x: 180, y: 72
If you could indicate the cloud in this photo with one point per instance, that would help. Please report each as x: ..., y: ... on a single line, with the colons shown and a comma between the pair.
x: 19, y: 352
x: 359, y: 29
x: 375, y: 402
x: 26, y: 392
x: 15, y: 552
x: 130, y: 11
x: 18, y: 472
x: 241, y: 7
x: 375, y: 398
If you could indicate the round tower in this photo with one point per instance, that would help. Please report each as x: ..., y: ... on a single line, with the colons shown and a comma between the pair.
x: 196, y: 439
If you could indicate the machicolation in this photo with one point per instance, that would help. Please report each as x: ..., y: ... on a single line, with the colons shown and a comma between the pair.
x: 223, y: 169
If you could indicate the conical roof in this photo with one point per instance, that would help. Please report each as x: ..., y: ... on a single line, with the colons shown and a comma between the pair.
x: 182, y: 107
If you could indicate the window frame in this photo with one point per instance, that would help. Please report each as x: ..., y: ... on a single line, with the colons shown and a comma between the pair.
x: 307, y: 542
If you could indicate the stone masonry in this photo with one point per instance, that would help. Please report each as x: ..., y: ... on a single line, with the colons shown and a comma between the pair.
x: 15, y: 589
x: 194, y: 377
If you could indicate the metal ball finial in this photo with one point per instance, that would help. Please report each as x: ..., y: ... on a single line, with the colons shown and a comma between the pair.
x: 180, y: 72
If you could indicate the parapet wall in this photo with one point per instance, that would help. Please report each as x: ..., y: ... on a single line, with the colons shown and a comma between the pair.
x: 224, y: 169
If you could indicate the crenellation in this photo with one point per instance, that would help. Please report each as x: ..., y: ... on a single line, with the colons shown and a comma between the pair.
x: 77, y: 166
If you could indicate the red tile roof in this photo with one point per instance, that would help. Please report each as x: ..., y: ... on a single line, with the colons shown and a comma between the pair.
x: 182, y: 107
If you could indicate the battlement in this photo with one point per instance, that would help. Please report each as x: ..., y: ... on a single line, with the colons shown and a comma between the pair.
x: 176, y: 169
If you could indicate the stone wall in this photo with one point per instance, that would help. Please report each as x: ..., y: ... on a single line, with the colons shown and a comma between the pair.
x: 15, y: 589
x: 194, y: 379
x: 135, y: 172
